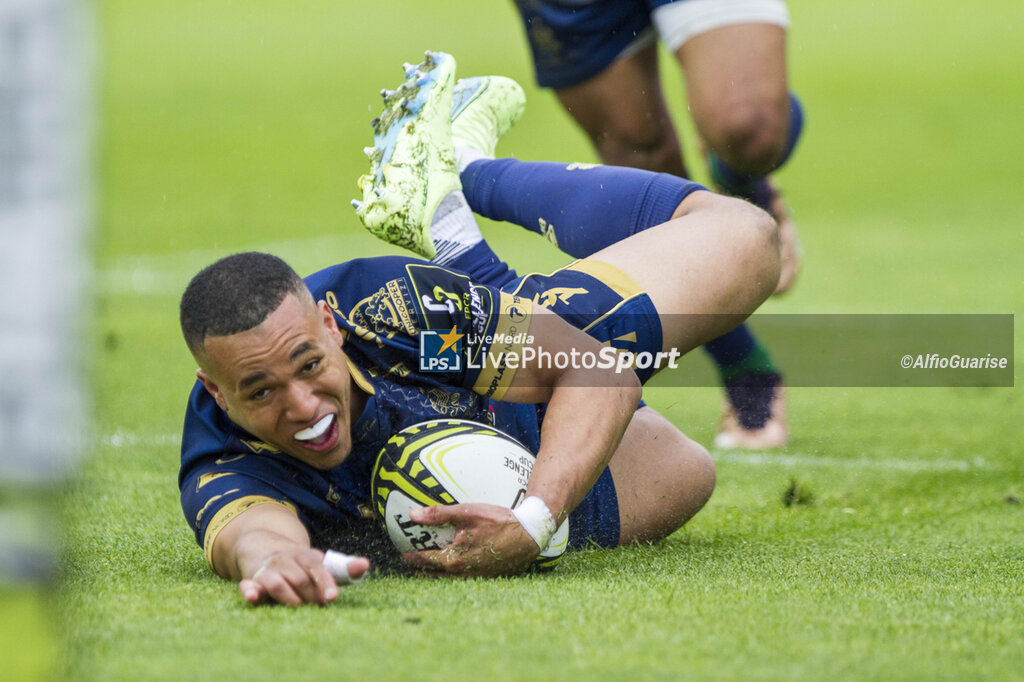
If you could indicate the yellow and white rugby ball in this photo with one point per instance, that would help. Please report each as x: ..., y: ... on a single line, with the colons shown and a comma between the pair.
x: 451, y: 461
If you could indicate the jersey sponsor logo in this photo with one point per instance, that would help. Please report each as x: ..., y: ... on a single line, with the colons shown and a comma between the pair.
x: 499, y: 374
x: 478, y: 317
x: 380, y: 314
x: 398, y: 290
x: 441, y: 295
x: 440, y: 300
x: 515, y: 309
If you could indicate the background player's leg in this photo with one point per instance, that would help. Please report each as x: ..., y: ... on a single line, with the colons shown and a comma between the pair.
x: 749, y: 121
x: 662, y: 478
x: 623, y: 112
x: 738, y: 93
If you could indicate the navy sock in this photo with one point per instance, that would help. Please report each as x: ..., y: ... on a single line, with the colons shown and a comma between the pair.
x: 581, y: 208
x: 738, y: 354
x: 755, y: 187
x: 748, y: 374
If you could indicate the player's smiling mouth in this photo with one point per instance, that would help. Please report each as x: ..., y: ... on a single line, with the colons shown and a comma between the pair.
x: 319, y: 435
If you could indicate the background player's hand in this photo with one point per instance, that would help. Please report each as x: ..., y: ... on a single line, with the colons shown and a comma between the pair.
x: 297, y: 576
x: 489, y: 541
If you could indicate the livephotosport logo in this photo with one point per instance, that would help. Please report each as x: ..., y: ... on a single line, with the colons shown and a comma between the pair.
x: 440, y: 352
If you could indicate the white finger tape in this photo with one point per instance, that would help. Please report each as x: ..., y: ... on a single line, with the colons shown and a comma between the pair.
x: 337, y: 564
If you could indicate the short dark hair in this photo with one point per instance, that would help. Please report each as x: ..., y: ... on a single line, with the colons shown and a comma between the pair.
x: 235, y: 294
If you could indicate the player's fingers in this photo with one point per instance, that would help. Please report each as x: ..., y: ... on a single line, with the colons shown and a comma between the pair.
x: 309, y: 579
x: 280, y: 589
x: 252, y: 591
x: 323, y: 581
x: 358, y: 567
x: 453, y: 560
x: 345, y: 569
x: 429, y: 560
x: 437, y: 515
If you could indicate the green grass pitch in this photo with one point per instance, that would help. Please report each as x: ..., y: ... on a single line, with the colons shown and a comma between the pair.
x: 230, y: 125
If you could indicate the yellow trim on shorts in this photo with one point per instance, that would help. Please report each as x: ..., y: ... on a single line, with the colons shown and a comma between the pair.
x: 609, y: 275
x: 229, y: 512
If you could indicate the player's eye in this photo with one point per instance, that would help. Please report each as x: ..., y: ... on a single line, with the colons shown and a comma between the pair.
x: 311, y: 366
x: 259, y: 394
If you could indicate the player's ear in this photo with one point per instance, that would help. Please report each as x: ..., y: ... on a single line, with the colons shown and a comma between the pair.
x: 332, y: 324
x: 212, y: 389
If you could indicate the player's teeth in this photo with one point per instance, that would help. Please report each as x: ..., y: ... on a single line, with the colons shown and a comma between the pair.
x: 316, y: 430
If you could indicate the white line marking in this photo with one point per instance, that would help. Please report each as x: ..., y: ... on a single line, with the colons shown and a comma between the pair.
x: 803, y: 460
x: 124, y: 439
x: 167, y: 274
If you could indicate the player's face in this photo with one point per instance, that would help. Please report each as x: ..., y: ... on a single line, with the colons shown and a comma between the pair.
x: 287, y: 382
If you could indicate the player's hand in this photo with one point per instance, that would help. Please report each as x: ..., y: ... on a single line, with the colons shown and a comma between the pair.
x: 489, y: 541
x: 295, y: 577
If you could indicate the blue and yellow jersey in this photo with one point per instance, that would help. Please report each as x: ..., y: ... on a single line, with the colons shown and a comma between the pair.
x: 381, y: 305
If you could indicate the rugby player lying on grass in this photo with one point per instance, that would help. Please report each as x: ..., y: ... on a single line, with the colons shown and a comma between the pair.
x: 302, y: 381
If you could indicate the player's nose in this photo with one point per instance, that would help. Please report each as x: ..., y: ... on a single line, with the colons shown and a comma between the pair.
x: 302, y: 402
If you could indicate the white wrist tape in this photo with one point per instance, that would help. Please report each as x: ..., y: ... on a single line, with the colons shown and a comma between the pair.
x: 336, y: 564
x: 536, y: 519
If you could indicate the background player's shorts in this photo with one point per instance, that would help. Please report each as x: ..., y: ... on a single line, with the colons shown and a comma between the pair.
x: 574, y: 40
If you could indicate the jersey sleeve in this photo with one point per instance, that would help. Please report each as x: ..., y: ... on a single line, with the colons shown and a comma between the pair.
x: 224, y: 471
x: 212, y: 496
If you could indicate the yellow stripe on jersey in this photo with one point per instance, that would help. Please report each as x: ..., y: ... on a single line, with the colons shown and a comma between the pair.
x: 609, y: 275
x: 357, y: 376
x: 230, y: 511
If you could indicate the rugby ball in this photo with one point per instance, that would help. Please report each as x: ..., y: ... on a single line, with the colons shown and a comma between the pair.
x: 451, y: 461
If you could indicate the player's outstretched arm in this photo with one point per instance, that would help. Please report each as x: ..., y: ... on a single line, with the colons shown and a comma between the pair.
x: 588, y: 411
x: 267, y: 549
